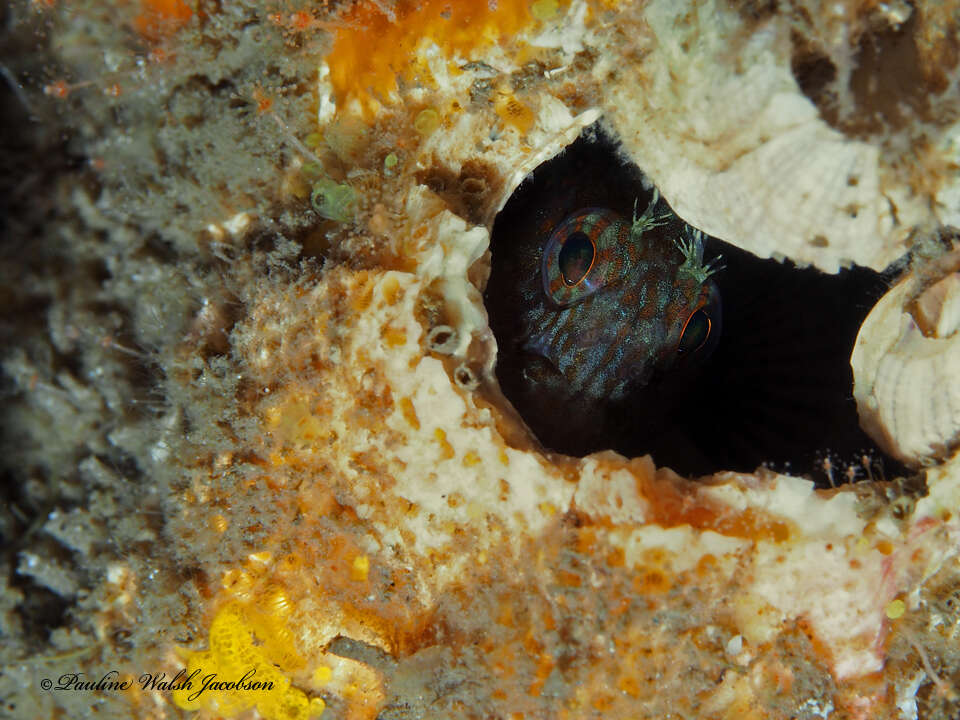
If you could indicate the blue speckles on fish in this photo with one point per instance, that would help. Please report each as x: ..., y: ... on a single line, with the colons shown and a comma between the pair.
x: 618, y: 300
x: 600, y: 301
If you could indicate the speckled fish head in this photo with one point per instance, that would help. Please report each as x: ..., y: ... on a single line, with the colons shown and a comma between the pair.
x: 620, y: 302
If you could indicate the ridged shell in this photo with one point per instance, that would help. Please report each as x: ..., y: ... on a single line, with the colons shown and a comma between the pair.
x: 906, y: 366
x: 747, y: 157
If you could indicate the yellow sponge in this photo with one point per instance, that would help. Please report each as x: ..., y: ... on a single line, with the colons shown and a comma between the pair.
x: 251, y: 649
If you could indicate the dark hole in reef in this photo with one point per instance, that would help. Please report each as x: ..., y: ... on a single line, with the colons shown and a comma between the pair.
x: 41, y: 611
x: 776, y: 392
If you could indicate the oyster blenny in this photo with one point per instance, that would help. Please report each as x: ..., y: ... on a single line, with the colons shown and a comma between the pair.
x: 617, y: 302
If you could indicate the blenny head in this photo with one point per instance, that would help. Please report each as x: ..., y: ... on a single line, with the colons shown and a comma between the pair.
x: 623, y: 300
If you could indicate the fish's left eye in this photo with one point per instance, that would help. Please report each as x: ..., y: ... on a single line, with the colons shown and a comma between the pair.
x: 576, y: 257
x: 695, y: 333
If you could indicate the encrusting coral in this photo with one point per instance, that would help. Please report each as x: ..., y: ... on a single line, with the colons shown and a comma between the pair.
x: 319, y: 479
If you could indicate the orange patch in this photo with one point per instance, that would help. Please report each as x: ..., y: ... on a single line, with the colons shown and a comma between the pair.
x: 460, y: 27
x: 506, y: 616
x: 650, y: 580
x: 409, y: 412
x: 616, y: 558
x: 673, y: 504
x: 513, y: 112
x: 470, y: 459
x: 394, y: 337
x: 162, y: 17
x: 629, y: 685
x: 391, y: 290
x: 264, y: 101
x: 544, y: 668
x: 361, y: 300
x: 446, y: 449
x: 586, y: 540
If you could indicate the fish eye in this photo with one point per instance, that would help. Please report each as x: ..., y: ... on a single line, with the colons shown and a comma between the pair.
x: 576, y: 258
x: 580, y: 256
x: 695, y: 333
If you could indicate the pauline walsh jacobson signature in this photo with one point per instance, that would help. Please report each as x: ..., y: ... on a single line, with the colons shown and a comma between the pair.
x: 111, y: 682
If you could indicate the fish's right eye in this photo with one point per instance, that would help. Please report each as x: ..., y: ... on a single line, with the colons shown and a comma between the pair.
x: 695, y: 333
x: 576, y: 257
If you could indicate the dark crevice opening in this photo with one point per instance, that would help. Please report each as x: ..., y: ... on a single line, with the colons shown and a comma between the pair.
x: 41, y: 611
x: 777, y: 392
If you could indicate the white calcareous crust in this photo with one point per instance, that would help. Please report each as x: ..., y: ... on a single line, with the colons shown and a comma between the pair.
x: 747, y: 157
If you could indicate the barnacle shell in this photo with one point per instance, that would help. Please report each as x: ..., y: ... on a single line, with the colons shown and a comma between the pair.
x: 906, y: 363
x: 746, y: 156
